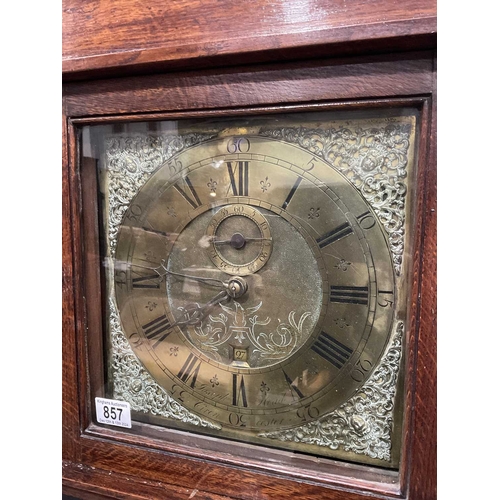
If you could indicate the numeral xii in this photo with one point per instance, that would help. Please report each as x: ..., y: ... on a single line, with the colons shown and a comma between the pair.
x: 238, y: 177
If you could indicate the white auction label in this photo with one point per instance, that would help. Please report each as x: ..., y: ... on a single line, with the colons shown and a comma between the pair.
x: 113, y: 412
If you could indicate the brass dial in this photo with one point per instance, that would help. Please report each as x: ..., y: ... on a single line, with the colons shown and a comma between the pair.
x: 271, y: 277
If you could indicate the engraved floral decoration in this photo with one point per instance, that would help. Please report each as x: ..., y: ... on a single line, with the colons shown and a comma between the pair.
x: 212, y: 185
x: 364, y: 423
x: 214, y: 380
x: 132, y: 383
x: 343, y: 265
x: 374, y: 159
x: 151, y: 305
x: 241, y: 323
x: 131, y: 161
x: 265, y: 185
x: 313, y: 213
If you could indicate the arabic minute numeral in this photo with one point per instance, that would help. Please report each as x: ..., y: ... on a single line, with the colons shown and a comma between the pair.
x: 360, y: 370
x: 135, y: 339
x: 387, y: 301
x: 310, y: 165
x: 366, y: 220
x: 308, y: 413
x: 237, y: 420
x: 134, y: 213
x: 174, y: 166
x: 238, y: 145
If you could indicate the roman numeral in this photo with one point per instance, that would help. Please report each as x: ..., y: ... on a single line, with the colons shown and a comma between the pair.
x: 190, y: 370
x: 192, y: 198
x: 349, y: 294
x: 239, y: 393
x: 291, y: 193
x: 331, y: 350
x: 366, y: 221
x: 154, y: 330
x: 150, y: 281
x: 334, y: 235
x: 238, y: 177
x: 293, y: 387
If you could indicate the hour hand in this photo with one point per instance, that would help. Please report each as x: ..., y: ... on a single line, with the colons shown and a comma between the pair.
x: 194, y: 313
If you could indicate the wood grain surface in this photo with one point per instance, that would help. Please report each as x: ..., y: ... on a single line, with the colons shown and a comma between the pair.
x: 136, y: 35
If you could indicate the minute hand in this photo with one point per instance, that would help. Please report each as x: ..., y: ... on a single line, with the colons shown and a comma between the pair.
x: 235, y: 287
x: 162, y: 271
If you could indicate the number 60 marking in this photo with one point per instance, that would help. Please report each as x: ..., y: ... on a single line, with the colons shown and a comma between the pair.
x: 238, y: 145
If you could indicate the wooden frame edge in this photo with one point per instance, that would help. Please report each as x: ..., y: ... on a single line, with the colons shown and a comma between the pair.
x: 427, y: 247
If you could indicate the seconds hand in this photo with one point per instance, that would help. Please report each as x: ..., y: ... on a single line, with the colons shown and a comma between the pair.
x: 237, y: 240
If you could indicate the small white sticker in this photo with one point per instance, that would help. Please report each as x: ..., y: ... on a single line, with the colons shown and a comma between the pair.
x: 113, y: 412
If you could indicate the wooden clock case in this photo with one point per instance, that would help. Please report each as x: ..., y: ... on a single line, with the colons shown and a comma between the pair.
x: 325, y: 64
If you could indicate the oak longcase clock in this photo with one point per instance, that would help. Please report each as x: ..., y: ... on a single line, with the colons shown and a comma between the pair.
x: 248, y: 277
